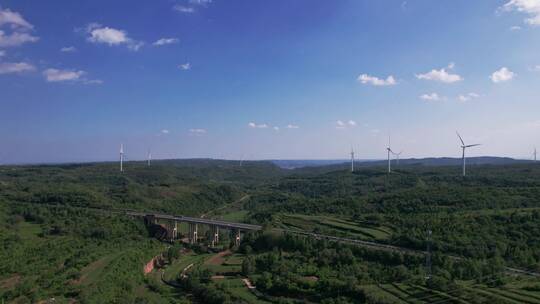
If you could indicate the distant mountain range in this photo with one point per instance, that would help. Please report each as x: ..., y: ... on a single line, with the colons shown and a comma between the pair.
x: 431, y: 161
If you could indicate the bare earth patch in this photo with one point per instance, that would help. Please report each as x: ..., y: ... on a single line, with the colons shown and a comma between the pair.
x: 10, y: 282
x: 218, y: 259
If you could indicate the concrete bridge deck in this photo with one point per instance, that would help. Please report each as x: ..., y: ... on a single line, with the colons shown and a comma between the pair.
x: 196, y: 220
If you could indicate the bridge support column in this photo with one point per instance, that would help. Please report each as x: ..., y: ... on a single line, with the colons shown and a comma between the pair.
x: 175, y: 230
x: 237, y: 237
x: 214, y: 234
x: 192, y: 233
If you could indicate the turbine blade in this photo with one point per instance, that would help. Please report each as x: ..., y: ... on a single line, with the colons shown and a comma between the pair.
x: 472, y: 145
x: 462, y: 142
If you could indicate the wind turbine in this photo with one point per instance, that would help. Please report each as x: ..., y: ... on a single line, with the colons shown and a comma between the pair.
x: 397, y: 157
x: 352, y: 159
x: 389, y: 150
x: 149, y: 157
x: 534, y: 154
x: 121, y: 157
x: 463, y: 147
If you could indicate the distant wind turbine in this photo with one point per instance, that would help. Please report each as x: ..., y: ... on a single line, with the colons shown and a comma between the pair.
x: 389, y: 150
x: 121, y: 157
x: 534, y: 154
x: 149, y: 157
x: 352, y: 159
x: 463, y: 147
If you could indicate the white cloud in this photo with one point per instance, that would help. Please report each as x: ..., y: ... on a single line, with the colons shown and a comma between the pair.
x: 165, y: 131
x: 15, y: 67
x: 2, y: 53
x: 290, y: 126
x: 515, y: 28
x: 502, y: 75
x: 14, y: 19
x: 276, y: 128
x: 55, y: 75
x: 372, y: 80
x: 184, y: 9
x: 441, y: 75
x: 535, y: 68
x: 197, y: 131
x: 68, y: 49
x: 340, y: 124
x: 19, y: 29
x: 529, y: 7
x: 185, y: 66
x: 111, y: 36
x: 467, y: 97
x: 430, y: 97
x: 257, y: 126
x: 165, y: 41
x: 93, y: 81
x: 15, y: 39
x: 200, y: 2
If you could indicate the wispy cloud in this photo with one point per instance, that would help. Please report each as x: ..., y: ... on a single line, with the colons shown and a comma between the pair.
x: 441, y: 75
x: 515, y: 28
x: 184, y: 9
x: 165, y: 131
x: 340, y: 124
x: 55, y: 75
x: 502, y: 75
x: 257, y: 126
x: 19, y: 27
x: 111, y: 36
x: 468, y: 97
x: 290, y: 126
x: 431, y: 97
x: 529, y: 7
x: 372, y: 80
x: 15, y: 67
x: 68, y: 49
x: 197, y: 131
x: 190, y: 6
x: 165, y: 41
x: 58, y: 75
x: 185, y: 66
x: 2, y: 53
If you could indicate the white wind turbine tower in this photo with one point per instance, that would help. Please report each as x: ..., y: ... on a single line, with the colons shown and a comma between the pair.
x: 534, y: 154
x: 121, y: 157
x: 352, y: 159
x: 463, y: 147
x: 149, y: 157
x: 389, y: 150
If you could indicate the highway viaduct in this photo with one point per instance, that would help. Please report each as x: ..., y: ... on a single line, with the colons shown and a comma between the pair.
x: 170, y: 224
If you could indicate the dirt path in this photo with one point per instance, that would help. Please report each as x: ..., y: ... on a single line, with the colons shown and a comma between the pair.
x: 218, y: 259
x: 243, y: 198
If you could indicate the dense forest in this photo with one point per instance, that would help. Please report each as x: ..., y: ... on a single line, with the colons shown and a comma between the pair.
x: 60, y: 240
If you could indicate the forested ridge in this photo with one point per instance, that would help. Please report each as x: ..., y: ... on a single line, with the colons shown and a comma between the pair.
x: 56, y: 244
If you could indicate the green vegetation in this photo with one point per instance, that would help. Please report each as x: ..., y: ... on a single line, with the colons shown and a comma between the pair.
x: 61, y: 238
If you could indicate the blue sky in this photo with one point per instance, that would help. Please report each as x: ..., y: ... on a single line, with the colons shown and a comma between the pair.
x: 267, y: 79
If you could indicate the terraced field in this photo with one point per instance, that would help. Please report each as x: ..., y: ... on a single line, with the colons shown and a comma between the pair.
x: 334, y: 225
x: 471, y: 293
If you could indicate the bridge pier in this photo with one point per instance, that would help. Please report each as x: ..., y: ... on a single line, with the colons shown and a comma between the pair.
x: 175, y: 230
x: 192, y: 233
x: 236, y: 237
x: 214, y: 234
